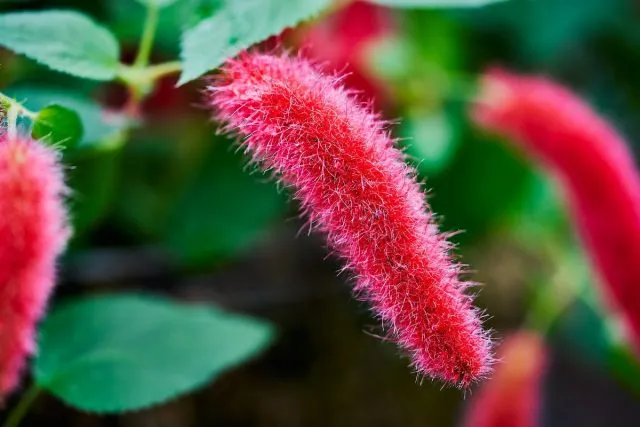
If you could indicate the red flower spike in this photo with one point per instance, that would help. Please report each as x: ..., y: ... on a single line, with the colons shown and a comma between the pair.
x: 343, y: 39
x: 593, y: 165
x: 354, y: 186
x: 511, y: 398
x: 33, y: 231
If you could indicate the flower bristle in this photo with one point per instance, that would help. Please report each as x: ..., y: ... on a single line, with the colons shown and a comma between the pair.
x: 354, y: 186
x: 33, y: 232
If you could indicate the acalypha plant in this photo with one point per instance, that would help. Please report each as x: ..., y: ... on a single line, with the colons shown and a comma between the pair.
x: 302, y: 109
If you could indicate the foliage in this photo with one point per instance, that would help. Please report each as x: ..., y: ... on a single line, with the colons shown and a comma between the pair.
x: 125, y: 352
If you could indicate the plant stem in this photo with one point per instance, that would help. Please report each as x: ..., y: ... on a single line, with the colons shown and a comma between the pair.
x: 22, y: 407
x: 5, y: 101
x: 154, y: 72
x: 12, y: 120
x: 545, y: 310
x: 140, y: 81
x: 559, y: 291
x: 148, y: 35
x: 8, y: 102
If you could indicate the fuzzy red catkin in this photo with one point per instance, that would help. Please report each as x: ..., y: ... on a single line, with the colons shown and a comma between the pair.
x: 354, y: 186
x: 511, y: 398
x: 33, y: 231
x: 594, y: 166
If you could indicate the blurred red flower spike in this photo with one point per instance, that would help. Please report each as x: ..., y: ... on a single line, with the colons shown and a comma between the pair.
x: 511, y: 398
x: 355, y: 187
x: 593, y: 165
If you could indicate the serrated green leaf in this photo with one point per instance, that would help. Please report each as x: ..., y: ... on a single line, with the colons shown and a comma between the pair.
x: 66, y: 41
x: 435, y: 3
x: 99, y: 125
x: 157, y: 3
x: 119, y: 353
x: 58, y: 125
x: 236, y: 26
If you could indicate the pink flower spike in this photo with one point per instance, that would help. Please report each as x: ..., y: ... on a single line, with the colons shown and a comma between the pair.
x: 33, y: 232
x: 512, y: 397
x: 354, y: 186
x: 592, y: 163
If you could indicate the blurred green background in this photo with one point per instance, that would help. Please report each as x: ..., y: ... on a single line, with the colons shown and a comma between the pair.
x: 175, y: 210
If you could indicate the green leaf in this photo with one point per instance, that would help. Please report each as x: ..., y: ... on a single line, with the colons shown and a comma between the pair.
x: 66, y: 41
x: 485, y: 183
x: 625, y: 366
x: 120, y: 353
x: 223, y: 211
x: 92, y: 179
x: 99, y: 125
x: 586, y: 332
x: 522, y: 20
x: 542, y: 215
x: 431, y: 139
x: 435, y: 3
x: 236, y: 26
x: 157, y: 3
x: 58, y: 125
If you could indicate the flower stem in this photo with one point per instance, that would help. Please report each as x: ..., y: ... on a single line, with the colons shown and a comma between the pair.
x: 22, y: 407
x: 148, y: 35
x: 560, y: 291
x: 157, y: 71
x: 7, y: 102
x: 12, y: 120
x: 545, y: 310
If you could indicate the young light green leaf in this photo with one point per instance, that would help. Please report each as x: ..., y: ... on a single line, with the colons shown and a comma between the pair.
x: 157, y: 3
x: 120, y: 353
x: 58, y: 125
x: 435, y: 3
x: 66, y: 41
x: 99, y: 125
x: 236, y: 26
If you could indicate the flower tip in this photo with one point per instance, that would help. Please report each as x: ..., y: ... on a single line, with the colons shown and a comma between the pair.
x: 517, y: 380
x: 494, y: 97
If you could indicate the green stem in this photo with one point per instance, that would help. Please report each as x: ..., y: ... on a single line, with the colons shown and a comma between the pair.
x: 545, y: 310
x: 560, y: 291
x: 149, y: 33
x: 157, y: 71
x: 140, y: 81
x: 8, y: 102
x: 22, y: 407
x: 5, y: 101
x: 12, y: 120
